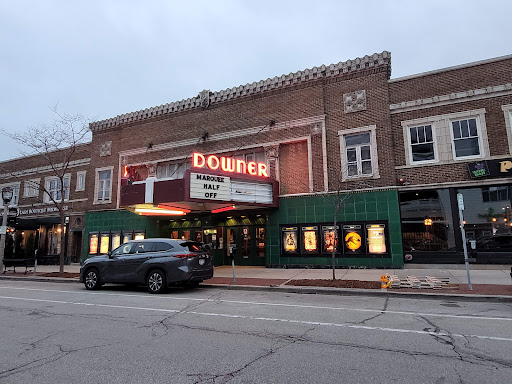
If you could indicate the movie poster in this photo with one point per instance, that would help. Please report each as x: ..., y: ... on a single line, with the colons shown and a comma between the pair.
x: 116, y: 241
x: 353, y: 240
x: 330, y: 239
x: 290, y: 240
x: 93, y: 244
x: 310, y: 240
x: 376, y: 239
x: 104, y: 243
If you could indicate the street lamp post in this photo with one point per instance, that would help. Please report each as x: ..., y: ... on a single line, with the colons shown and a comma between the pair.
x: 7, y: 193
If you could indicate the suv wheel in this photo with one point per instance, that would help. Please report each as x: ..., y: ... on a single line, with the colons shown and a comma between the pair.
x: 92, y: 279
x: 156, y: 282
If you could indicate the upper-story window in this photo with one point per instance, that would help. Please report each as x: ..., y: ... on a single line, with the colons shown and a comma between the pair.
x: 422, y: 144
x: 172, y: 170
x: 80, y: 181
x: 465, y: 138
x: 358, y: 150
x: 53, y: 188
x: 446, y: 138
x: 31, y: 188
x: 257, y: 157
x: 358, y: 155
x: 103, y: 187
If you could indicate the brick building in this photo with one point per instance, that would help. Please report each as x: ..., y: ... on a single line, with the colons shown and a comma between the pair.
x: 38, y: 225
x: 261, y: 171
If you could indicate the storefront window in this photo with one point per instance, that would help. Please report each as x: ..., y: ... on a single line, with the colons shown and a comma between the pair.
x: 427, y: 223
x: 487, y: 212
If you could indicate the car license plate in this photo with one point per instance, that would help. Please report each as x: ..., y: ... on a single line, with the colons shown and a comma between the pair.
x: 201, y: 261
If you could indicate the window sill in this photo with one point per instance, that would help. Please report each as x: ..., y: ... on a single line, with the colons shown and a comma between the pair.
x: 102, y: 202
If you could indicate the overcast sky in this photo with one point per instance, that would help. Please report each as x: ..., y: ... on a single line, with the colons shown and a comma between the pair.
x: 109, y: 57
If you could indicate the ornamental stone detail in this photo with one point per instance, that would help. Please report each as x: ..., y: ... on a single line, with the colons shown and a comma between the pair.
x: 106, y: 149
x: 354, y: 101
x: 204, y: 98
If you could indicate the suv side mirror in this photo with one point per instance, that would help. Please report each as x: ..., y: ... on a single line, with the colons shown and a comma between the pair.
x: 109, y: 253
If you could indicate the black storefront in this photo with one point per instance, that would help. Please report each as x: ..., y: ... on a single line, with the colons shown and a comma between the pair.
x: 431, y: 230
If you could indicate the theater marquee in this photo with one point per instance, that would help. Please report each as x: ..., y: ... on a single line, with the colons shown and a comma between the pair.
x: 222, y: 188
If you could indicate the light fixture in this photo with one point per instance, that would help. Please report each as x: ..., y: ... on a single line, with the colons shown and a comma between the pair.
x: 243, y: 217
x: 158, y: 211
x: 493, y: 219
x: 228, y: 208
x: 7, y: 193
x: 168, y: 207
x: 428, y: 222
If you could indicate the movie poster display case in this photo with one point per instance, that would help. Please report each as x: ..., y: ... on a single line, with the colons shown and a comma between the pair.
x: 354, y: 239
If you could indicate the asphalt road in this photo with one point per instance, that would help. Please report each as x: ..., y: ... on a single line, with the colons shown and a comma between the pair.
x: 60, y: 333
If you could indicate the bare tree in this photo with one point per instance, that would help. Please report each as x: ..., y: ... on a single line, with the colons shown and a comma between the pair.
x: 344, y: 191
x: 56, y: 145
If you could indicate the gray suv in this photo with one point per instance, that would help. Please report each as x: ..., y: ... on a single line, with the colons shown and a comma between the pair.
x: 156, y: 263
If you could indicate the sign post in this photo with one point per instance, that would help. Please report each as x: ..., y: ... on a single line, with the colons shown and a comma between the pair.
x: 460, y: 201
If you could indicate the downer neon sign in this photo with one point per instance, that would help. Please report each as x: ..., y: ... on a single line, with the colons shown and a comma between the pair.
x: 228, y: 164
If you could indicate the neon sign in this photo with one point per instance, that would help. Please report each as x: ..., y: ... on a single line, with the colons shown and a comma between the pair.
x: 228, y: 164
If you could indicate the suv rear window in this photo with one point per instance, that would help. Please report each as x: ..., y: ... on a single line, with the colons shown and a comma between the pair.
x: 193, y: 246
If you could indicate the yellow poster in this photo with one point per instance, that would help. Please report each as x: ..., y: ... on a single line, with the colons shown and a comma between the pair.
x: 104, y: 244
x: 353, y: 241
x: 310, y: 241
x: 376, y: 240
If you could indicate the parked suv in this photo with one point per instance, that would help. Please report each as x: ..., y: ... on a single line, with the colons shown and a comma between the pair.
x: 156, y: 263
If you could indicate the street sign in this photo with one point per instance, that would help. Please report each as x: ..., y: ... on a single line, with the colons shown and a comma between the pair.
x: 460, y: 200
x: 3, y: 229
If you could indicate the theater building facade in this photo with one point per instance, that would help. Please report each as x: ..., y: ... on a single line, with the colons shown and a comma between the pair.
x: 334, y: 162
x: 259, y: 171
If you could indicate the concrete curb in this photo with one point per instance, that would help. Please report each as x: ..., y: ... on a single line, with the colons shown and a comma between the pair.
x: 314, y: 290
x: 366, y: 292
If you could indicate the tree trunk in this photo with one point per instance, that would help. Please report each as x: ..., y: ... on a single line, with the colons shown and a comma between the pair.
x: 62, y: 249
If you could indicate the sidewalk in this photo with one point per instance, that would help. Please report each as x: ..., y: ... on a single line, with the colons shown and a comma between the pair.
x: 489, y: 281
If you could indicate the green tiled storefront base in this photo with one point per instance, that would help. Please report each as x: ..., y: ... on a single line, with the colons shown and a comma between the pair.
x: 117, y: 221
x: 355, y: 207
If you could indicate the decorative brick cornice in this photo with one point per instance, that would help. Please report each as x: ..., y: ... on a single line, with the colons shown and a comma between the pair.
x: 452, y: 98
x: 350, y: 66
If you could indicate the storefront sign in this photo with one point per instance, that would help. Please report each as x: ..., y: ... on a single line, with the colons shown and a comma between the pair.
x: 229, y: 164
x: 39, y: 211
x: 490, y: 168
x: 209, y: 187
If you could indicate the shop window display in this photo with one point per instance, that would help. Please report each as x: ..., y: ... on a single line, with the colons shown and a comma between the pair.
x: 427, y: 223
x: 488, y: 216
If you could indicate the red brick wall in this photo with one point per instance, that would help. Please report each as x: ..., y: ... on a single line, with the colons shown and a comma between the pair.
x: 293, y: 168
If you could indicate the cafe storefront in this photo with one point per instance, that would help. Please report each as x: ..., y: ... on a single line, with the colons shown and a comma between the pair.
x: 430, y: 218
